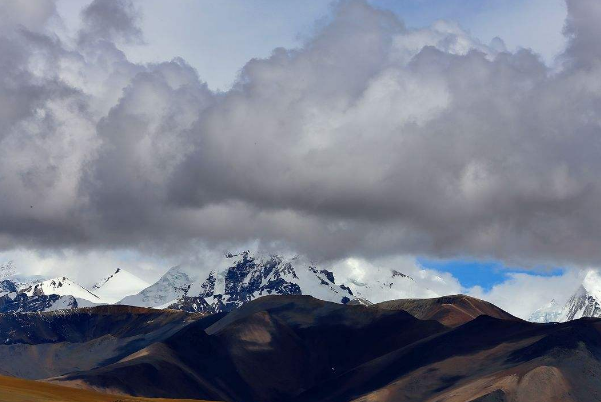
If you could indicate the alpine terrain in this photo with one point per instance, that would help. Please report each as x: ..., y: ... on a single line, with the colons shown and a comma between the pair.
x: 584, y: 302
x: 240, y: 278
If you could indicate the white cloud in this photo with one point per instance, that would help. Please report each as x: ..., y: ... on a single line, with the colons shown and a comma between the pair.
x: 426, y: 282
x: 521, y: 294
x: 368, y: 140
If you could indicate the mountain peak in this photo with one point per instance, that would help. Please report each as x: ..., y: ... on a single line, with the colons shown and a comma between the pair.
x: 584, y: 302
x: 62, y: 290
x: 242, y: 277
x: 118, y: 285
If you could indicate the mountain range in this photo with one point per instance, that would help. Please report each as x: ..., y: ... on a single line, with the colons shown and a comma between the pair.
x: 239, y: 278
x: 296, y: 348
x: 274, y: 329
x: 232, y: 282
x: 37, y: 295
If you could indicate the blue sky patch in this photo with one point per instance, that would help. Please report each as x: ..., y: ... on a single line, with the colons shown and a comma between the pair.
x: 482, y: 273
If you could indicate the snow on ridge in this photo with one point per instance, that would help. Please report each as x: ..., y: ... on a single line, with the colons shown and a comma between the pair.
x: 239, y: 278
x: 118, y: 285
x: 584, y: 302
x: 62, y: 286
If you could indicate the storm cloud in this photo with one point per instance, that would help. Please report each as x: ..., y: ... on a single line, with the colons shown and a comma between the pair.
x: 370, y: 139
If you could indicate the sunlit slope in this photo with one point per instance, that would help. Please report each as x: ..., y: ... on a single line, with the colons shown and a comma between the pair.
x: 18, y: 390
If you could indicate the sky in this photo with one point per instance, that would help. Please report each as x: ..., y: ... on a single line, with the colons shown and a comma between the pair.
x: 459, y: 140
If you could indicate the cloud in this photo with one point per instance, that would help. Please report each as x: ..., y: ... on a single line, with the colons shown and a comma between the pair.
x: 31, y: 15
x: 110, y: 20
x: 85, y: 268
x: 371, y: 139
x: 424, y: 283
x: 521, y: 294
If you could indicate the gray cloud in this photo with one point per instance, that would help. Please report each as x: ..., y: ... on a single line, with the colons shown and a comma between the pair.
x: 371, y: 139
x: 112, y: 20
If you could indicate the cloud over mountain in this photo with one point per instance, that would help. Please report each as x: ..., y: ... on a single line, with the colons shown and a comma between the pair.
x: 370, y: 139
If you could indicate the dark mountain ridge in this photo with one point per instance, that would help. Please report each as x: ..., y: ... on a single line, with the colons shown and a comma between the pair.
x: 299, y: 349
x: 40, y: 345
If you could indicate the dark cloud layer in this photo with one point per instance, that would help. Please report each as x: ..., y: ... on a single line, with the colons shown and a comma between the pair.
x: 370, y: 139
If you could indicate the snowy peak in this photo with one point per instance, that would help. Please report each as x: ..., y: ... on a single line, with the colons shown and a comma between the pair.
x: 173, y: 284
x: 248, y: 277
x: 238, y: 279
x: 62, y: 293
x: 21, y: 303
x: 118, y: 285
x: 7, y: 287
x: 550, y: 312
x: 584, y: 302
x: 61, y: 286
x: 50, y: 295
x: 103, y: 281
x: 592, y: 284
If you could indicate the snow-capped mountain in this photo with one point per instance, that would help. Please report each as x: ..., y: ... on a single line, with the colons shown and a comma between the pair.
x: 243, y: 277
x: 21, y: 303
x: 63, y: 293
x: 118, y: 285
x: 584, y: 302
x: 172, y: 285
x: 63, y: 286
x: 7, y: 287
x: 16, y: 296
x: 548, y: 313
x: 220, y: 285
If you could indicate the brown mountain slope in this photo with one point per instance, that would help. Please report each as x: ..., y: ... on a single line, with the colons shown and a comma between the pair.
x: 450, y: 311
x: 300, y: 349
x: 19, y: 390
x: 491, y: 359
x: 49, y: 344
x: 269, y: 350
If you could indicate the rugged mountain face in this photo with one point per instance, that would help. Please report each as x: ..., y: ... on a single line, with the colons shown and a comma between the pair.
x: 21, y: 302
x: 15, y: 299
x: 582, y: 304
x: 62, y: 293
x: 585, y: 302
x: 7, y: 287
x: 62, y: 286
x: 297, y: 349
x: 243, y: 277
